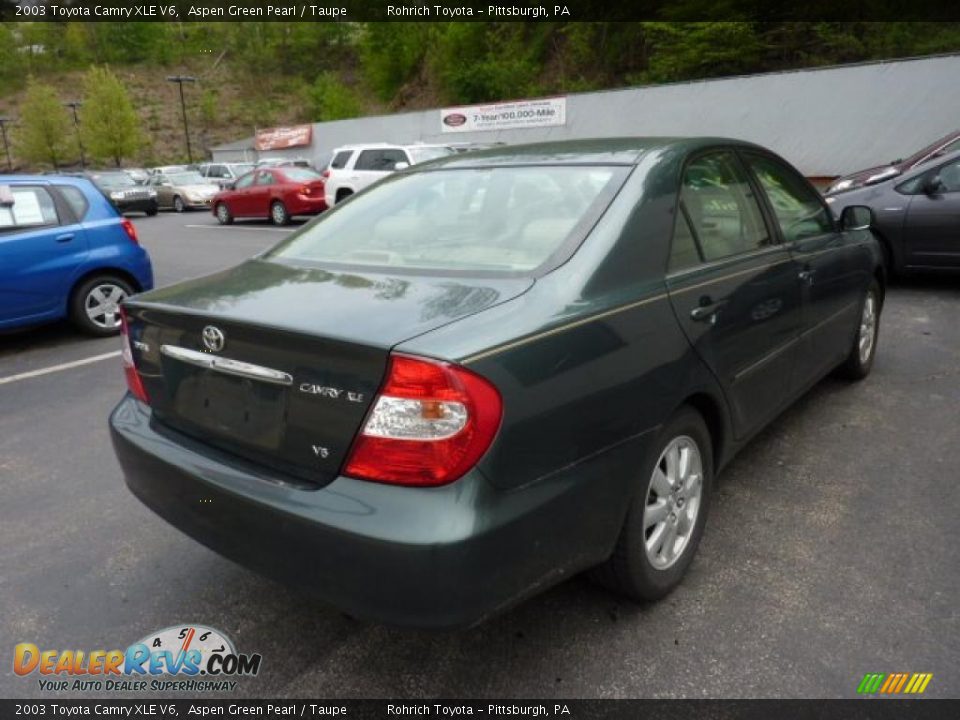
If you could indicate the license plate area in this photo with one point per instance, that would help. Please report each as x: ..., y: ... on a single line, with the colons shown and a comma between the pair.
x: 237, y: 409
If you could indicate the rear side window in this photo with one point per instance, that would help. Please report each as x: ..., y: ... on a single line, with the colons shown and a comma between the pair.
x: 75, y: 198
x: 340, y: 160
x: 26, y: 207
x: 798, y: 209
x: 380, y: 160
x: 724, y: 213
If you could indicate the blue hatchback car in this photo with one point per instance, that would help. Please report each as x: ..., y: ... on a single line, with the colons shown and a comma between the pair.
x: 65, y: 252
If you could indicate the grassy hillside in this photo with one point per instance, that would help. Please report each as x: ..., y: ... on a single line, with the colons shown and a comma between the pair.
x: 261, y: 74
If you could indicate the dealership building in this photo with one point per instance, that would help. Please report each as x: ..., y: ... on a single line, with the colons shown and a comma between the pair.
x: 826, y: 121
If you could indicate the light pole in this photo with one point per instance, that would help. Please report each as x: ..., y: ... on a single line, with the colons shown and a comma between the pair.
x: 4, y: 121
x: 73, y: 105
x: 180, y: 80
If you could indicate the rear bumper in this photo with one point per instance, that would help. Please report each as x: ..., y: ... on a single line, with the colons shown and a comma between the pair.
x: 425, y: 557
x: 306, y: 206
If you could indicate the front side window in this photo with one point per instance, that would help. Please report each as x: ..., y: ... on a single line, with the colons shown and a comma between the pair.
x: 798, y: 209
x: 245, y: 181
x: 499, y: 220
x: 265, y: 178
x: 26, y: 207
x: 724, y: 214
x: 950, y: 178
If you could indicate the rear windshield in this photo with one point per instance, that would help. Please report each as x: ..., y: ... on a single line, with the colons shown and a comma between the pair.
x: 300, y: 174
x: 186, y: 178
x: 500, y: 220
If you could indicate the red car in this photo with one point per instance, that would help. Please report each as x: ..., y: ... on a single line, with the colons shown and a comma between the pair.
x: 274, y: 193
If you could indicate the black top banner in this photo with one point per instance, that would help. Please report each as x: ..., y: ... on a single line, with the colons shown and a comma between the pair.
x: 498, y: 709
x: 469, y: 11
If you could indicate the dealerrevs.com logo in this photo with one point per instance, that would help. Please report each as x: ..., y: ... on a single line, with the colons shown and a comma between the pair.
x: 189, y: 658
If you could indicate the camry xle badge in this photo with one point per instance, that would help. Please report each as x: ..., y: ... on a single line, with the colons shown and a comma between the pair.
x: 330, y: 392
x: 213, y: 338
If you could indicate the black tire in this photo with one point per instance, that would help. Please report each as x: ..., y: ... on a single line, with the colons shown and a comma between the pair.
x: 178, y: 204
x: 343, y: 194
x: 224, y: 216
x: 279, y: 214
x: 629, y: 570
x: 81, y: 297
x: 152, y: 211
x: 859, y: 364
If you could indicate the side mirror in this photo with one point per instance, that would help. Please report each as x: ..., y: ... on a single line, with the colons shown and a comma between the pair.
x: 931, y: 186
x: 401, y: 165
x: 856, y: 217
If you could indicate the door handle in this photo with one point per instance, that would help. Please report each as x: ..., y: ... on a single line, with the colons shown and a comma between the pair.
x: 806, y: 276
x: 66, y: 237
x: 706, y: 311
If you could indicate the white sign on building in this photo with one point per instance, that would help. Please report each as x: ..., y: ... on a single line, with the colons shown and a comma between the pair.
x: 542, y: 112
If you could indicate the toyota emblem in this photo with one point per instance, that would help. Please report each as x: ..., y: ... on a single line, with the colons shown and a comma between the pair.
x: 213, y: 338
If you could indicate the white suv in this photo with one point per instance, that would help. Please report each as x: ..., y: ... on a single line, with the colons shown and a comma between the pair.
x: 353, y: 167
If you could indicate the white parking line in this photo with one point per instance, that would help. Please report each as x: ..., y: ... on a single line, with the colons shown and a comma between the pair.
x: 240, y: 227
x: 58, y: 368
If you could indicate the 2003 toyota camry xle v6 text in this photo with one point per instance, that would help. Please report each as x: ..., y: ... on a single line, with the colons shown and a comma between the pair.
x: 492, y: 371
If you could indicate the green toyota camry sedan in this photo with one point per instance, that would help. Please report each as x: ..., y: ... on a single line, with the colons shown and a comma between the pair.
x: 487, y: 373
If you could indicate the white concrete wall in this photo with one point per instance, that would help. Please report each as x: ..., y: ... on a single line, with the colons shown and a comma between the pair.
x: 825, y: 121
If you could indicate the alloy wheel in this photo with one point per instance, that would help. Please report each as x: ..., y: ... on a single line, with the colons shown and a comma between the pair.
x: 673, y: 502
x: 102, y: 305
x: 868, y: 328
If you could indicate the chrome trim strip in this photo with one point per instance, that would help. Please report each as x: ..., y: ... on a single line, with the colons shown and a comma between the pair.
x: 227, y: 366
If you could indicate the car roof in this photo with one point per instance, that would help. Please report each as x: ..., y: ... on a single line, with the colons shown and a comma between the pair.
x: 599, y: 151
x: 45, y: 179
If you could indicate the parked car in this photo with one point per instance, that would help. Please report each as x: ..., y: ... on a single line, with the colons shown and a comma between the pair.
x: 917, y: 215
x: 161, y: 169
x: 65, y: 252
x: 277, y: 194
x: 138, y: 175
x: 224, y: 174
x: 944, y: 146
x: 181, y: 191
x: 354, y: 167
x: 284, y: 162
x: 122, y: 192
x: 484, y: 375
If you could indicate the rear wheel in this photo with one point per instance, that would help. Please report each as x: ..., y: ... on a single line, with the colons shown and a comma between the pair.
x: 178, y: 204
x: 860, y: 360
x: 94, y: 304
x: 278, y: 213
x: 224, y: 216
x: 343, y: 194
x: 666, y: 518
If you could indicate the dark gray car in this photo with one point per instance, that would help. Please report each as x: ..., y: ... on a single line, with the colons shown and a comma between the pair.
x: 916, y: 215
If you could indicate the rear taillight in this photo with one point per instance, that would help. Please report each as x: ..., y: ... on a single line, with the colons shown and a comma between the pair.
x: 431, y: 422
x: 129, y: 229
x: 134, y: 382
x: 325, y: 174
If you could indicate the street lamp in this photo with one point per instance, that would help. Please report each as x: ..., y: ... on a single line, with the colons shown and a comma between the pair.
x: 73, y: 105
x: 180, y: 80
x: 4, y: 121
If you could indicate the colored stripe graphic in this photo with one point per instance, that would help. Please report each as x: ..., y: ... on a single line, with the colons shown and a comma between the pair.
x: 894, y: 683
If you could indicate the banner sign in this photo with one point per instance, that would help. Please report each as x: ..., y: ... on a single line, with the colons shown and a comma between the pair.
x: 505, y: 116
x: 283, y: 137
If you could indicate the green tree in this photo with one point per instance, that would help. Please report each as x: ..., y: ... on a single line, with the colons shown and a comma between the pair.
x: 330, y: 99
x: 11, y: 61
x: 109, y: 124
x: 44, y: 134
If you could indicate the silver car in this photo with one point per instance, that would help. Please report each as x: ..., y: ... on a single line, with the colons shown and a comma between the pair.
x: 183, y: 190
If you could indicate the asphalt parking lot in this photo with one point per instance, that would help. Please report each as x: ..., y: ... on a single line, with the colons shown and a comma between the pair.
x: 831, y: 549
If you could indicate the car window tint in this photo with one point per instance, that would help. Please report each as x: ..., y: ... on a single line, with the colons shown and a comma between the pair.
x: 26, y: 207
x: 380, y: 160
x: 797, y: 207
x: 950, y: 177
x: 724, y: 213
x: 341, y: 159
x: 505, y: 219
x: 246, y: 180
x: 75, y: 199
x: 683, y: 250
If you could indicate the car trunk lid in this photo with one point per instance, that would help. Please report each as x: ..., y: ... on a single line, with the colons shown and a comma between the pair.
x: 279, y: 364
